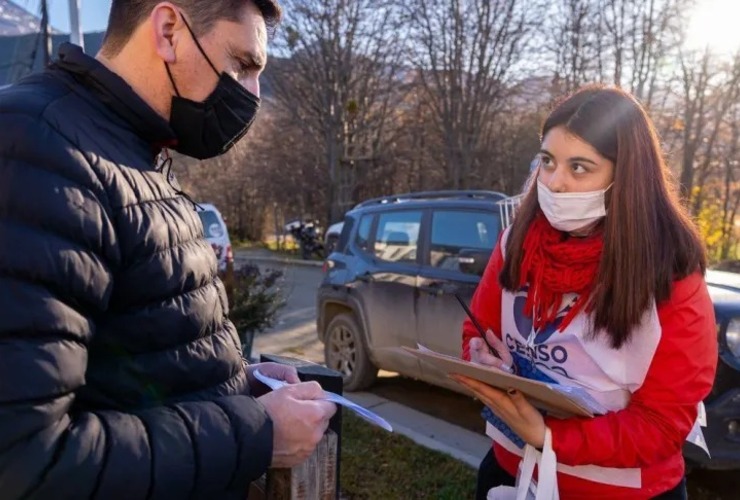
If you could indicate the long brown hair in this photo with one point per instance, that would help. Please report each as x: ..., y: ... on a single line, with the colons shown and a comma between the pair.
x: 649, y: 241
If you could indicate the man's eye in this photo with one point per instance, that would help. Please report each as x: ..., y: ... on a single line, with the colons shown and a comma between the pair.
x: 239, y: 67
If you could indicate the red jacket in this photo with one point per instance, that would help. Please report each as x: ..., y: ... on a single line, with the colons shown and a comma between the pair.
x: 649, y: 433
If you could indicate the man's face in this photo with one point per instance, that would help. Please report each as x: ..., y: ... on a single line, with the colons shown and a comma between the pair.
x: 236, y: 48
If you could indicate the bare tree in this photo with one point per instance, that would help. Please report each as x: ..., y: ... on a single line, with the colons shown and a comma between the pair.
x: 235, y: 182
x: 640, y: 37
x: 339, y: 83
x: 709, y: 90
x: 614, y: 17
x: 293, y: 180
x: 465, y: 53
x: 695, y: 81
x: 657, y: 32
x: 715, y: 147
x: 417, y: 150
x: 572, y: 36
x: 517, y: 142
x: 731, y: 192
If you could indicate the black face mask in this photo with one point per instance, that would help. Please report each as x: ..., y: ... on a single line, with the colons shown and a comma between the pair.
x: 210, y: 128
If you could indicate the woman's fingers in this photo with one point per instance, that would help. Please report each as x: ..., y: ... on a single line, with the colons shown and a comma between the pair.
x: 523, y: 407
x: 498, y: 400
x: 511, y: 406
x: 489, y: 359
x: 482, y: 355
x: 483, y: 391
x: 500, y: 347
x: 474, y: 346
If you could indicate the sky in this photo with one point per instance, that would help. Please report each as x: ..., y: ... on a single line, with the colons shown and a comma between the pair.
x: 713, y: 23
x: 94, y: 13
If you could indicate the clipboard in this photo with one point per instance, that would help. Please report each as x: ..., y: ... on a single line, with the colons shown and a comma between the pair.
x: 540, y: 394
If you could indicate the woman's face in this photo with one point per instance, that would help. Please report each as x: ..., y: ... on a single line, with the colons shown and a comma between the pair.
x: 567, y: 164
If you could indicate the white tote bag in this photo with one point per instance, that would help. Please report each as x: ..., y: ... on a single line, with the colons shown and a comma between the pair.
x: 546, y: 488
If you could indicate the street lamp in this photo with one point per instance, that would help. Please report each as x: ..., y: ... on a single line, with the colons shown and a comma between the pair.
x: 75, y: 35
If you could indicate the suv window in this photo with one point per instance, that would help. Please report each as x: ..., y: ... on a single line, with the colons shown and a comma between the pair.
x: 456, y: 230
x: 362, y: 238
x: 397, y: 237
x: 347, y: 225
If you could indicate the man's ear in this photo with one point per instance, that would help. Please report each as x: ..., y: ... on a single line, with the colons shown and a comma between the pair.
x: 167, y: 26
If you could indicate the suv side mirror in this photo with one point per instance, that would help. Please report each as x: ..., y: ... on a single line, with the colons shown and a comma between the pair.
x: 473, y: 261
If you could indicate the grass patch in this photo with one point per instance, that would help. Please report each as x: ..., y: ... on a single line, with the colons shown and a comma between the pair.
x: 288, y: 249
x: 380, y: 465
x: 247, y: 244
x: 286, y: 246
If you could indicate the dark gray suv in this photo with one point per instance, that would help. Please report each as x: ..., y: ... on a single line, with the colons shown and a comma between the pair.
x: 393, y: 276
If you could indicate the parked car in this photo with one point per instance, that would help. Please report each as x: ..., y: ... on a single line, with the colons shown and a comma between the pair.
x: 392, y: 280
x: 386, y: 283
x: 216, y: 233
x: 723, y: 404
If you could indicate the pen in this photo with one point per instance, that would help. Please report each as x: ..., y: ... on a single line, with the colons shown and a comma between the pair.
x: 478, y: 326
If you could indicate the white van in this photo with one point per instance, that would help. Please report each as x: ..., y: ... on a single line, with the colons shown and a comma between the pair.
x: 214, y: 229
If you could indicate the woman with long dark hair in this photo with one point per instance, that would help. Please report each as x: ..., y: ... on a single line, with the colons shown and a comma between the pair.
x: 598, y: 284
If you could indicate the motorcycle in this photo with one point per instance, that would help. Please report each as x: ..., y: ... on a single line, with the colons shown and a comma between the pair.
x: 308, y: 236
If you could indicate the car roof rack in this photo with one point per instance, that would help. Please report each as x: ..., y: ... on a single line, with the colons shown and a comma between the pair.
x: 432, y: 195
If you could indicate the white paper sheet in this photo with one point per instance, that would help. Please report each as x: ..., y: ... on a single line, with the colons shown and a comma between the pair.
x: 334, y: 398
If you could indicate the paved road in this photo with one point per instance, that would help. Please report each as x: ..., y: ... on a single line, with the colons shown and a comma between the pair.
x: 295, y: 335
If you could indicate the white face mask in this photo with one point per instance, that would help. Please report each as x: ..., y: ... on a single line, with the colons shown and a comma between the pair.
x: 571, y: 211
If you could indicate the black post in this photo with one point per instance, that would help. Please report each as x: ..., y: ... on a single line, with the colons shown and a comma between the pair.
x: 330, y: 380
x: 45, y: 32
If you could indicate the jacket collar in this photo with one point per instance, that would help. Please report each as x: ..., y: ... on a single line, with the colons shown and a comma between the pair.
x: 118, y: 95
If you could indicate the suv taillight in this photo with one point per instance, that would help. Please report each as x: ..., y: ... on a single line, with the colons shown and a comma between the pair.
x: 328, y: 264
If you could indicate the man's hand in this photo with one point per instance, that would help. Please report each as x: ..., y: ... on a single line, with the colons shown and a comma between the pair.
x: 482, y: 355
x: 272, y: 370
x: 299, y: 420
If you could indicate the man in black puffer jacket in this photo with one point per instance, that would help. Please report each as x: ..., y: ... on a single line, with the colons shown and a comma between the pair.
x: 120, y: 374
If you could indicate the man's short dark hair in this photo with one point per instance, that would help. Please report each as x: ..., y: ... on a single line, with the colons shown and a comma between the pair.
x: 127, y: 15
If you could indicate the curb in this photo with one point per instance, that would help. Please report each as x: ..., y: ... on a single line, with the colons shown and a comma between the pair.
x: 431, y: 443
x: 425, y: 430
x: 279, y: 260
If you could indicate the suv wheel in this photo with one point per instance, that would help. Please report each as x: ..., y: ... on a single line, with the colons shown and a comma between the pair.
x: 345, y: 352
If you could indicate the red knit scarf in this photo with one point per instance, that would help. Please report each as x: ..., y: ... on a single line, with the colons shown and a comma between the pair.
x: 555, y: 264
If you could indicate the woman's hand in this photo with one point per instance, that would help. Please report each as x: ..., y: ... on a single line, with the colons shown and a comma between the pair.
x: 523, y: 418
x: 482, y: 355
